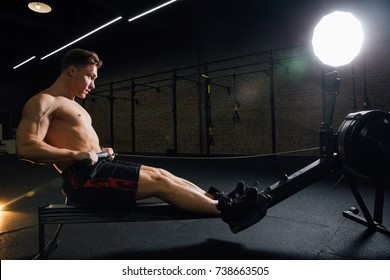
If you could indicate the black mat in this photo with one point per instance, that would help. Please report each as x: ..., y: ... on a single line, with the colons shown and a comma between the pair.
x: 307, y: 225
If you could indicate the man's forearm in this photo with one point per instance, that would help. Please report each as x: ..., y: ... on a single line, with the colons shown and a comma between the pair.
x: 46, y: 154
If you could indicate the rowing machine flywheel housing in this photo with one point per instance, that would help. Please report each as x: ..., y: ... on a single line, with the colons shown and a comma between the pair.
x: 364, y: 143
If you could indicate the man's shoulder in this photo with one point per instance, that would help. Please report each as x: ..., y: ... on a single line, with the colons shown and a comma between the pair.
x: 47, y: 99
x: 42, y: 103
x: 42, y: 97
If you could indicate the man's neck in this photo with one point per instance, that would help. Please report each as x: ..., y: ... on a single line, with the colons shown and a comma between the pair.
x: 60, y: 88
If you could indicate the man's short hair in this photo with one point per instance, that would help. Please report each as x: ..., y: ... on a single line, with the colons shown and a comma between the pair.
x: 80, y: 58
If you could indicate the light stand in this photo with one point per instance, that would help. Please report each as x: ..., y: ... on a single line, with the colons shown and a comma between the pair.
x: 331, y: 86
x: 360, y: 149
x: 328, y: 161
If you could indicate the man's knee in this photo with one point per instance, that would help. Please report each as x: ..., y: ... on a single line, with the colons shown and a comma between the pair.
x: 152, y: 183
x: 162, y: 172
x: 156, y: 176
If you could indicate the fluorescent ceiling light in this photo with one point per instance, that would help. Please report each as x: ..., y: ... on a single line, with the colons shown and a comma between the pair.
x: 31, y: 58
x: 97, y: 29
x: 152, y: 10
x: 82, y: 37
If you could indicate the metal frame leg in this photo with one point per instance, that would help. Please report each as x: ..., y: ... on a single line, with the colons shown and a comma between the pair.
x: 373, y: 223
x: 41, y: 233
x: 45, y: 249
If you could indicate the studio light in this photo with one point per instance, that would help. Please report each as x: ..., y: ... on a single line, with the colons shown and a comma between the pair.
x: 39, y: 7
x: 20, y: 64
x: 337, y: 38
x: 152, y: 10
x: 44, y: 8
x: 82, y: 37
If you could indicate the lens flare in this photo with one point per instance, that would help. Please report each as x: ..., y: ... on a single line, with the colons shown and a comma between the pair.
x: 27, y: 194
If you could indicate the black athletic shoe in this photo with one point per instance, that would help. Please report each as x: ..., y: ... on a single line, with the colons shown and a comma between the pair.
x: 243, y: 212
x: 215, y: 192
x: 237, y: 211
x: 254, y: 216
x: 239, y: 190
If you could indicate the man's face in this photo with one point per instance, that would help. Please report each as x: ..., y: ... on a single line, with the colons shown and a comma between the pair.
x: 84, y: 80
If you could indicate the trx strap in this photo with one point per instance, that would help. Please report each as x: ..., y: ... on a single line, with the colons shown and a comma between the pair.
x: 209, y: 123
x: 236, y: 116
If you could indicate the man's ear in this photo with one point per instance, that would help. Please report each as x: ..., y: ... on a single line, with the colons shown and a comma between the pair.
x: 71, y: 71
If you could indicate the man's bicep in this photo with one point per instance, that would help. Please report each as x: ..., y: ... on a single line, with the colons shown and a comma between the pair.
x: 28, y: 131
x: 34, y: 124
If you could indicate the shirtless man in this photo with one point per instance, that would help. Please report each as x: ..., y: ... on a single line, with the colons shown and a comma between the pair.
x: 55, y: 129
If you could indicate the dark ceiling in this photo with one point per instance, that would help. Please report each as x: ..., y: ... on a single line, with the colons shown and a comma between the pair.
x: 25, y: 33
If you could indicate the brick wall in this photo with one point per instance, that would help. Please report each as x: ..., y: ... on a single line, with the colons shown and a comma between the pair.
x: 298, y: 104
x: 226, y: 49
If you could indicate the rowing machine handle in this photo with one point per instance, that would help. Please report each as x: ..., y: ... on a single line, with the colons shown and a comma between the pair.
x: 102, y: 155
x: 99, y: 155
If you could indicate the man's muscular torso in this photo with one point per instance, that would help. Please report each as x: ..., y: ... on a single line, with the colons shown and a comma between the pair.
x: 59, y: 122
x: 71, y: 127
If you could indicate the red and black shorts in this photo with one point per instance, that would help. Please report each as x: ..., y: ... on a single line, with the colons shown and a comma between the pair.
x: 107, y: 184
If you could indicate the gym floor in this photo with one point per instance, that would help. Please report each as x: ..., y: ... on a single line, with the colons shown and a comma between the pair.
x: 308, y: 225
